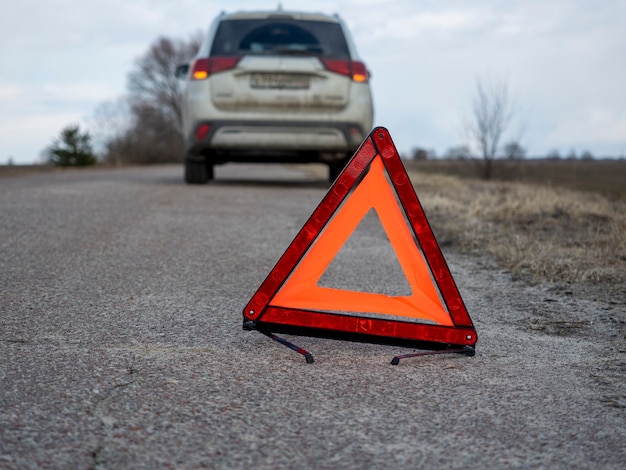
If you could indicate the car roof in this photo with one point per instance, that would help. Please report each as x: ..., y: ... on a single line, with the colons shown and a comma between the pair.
x: 279, y: 14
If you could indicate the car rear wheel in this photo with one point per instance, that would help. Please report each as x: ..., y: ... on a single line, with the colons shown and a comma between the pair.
x: 334, y: 168
x: 198, y: 172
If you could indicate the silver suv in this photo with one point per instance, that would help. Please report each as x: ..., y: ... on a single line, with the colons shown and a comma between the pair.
x: 274, y: 87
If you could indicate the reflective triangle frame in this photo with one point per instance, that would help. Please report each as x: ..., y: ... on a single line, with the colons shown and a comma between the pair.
x: 309, y: 313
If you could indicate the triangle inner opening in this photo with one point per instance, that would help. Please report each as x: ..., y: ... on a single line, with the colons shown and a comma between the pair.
x: 369, y: 253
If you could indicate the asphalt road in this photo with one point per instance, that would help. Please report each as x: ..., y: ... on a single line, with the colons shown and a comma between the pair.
x: 121, y: 344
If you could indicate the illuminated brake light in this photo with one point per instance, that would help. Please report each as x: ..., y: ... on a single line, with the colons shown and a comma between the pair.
x: 355, y: 70
x: 204, y: 67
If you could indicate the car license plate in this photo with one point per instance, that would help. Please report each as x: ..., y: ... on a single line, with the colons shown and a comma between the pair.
x: 280, y: 81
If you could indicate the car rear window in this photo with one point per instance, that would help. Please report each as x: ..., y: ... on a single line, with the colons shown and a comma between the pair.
x: 271, y: 36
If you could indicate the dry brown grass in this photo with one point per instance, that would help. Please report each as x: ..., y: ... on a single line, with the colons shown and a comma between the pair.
x: 537, y: 232
x: 606, y: 177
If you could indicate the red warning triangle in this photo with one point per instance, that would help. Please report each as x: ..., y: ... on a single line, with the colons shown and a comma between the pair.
x: 374, y: 179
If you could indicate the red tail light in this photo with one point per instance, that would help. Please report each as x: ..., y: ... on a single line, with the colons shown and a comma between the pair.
x: 202, y: 68
x: 202, y: 131
x: 355, y: 70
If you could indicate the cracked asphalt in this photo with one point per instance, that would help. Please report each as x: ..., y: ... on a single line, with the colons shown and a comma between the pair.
x: 120, y: 336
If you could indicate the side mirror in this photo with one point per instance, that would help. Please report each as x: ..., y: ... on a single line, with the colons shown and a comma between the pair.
x: 182, y: 70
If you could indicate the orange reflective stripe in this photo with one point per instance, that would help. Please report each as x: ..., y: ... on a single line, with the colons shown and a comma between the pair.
x: 301, y: 290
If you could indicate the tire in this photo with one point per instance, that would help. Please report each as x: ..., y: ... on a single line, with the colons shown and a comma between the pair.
x: 197, y: 172
x: 334, y: 168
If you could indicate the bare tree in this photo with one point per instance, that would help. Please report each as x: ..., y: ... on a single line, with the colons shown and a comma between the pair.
x: 146, y: 125
x: 155, y: 137
x: 154, y: 82
x: 110, y: 121
x: 492, y: 112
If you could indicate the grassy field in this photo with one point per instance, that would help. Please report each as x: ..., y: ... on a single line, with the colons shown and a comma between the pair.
x: 573, y: 239
x: 606, y: 177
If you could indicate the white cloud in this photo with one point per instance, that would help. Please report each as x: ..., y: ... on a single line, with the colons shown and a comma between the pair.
x: 9, y: 92
x: 33, y: 126
x: 423, y: 24
x: 71, y: 92
x: 591, y: 127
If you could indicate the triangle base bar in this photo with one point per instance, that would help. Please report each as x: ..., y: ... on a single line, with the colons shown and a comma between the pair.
x: 430, y: 347
x: 461, y: 336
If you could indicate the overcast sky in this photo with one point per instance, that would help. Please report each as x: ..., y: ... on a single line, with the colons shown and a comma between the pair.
x: 564, y: 61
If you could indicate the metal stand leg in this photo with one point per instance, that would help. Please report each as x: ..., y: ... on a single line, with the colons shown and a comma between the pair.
x: 470, y: 351
x: 307, y: 356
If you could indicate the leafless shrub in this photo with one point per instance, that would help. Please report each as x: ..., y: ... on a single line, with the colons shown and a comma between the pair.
x: 514, y: 151
x: 461, y: 152
x: 492, y: 113
x: 110, y: 122
x: 421, y: 154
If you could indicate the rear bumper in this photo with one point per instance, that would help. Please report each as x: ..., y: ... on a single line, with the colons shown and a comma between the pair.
x: 270, y: 139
